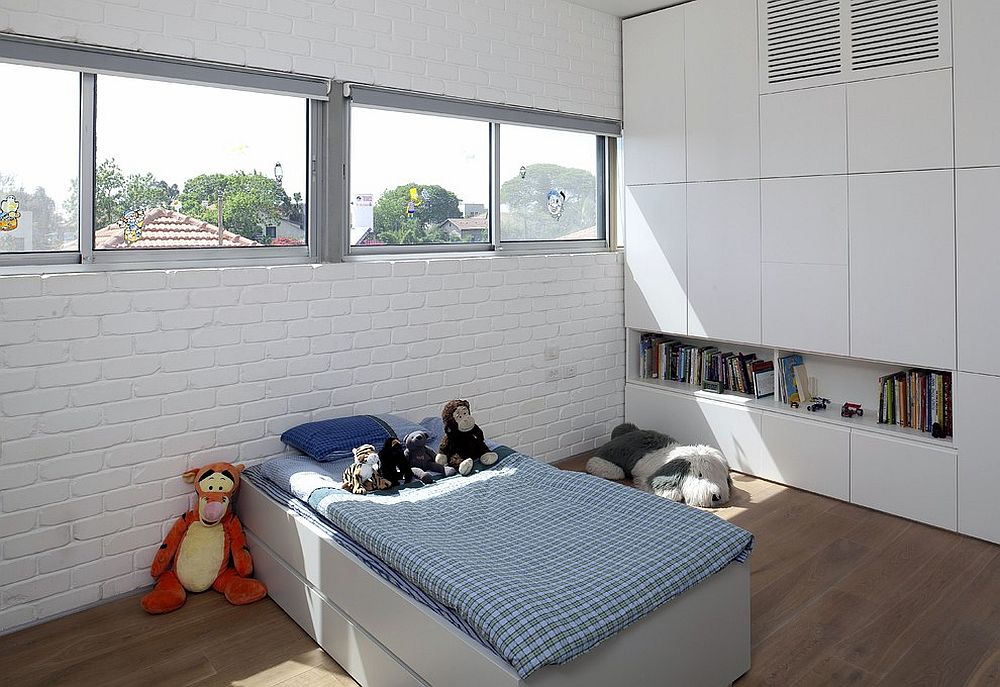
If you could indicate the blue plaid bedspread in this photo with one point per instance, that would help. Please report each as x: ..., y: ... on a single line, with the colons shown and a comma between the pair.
x: 543, y: 563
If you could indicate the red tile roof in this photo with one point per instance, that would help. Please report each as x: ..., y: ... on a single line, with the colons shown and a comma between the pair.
x: 170, y: 229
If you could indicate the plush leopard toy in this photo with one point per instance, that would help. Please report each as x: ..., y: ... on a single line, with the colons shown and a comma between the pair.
x: 364, y: 475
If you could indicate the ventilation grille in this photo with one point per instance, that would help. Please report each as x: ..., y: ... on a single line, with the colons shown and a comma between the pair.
x: 803, y: 39
x: 893, y: 32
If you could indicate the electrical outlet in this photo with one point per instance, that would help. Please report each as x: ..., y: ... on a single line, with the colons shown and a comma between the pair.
x: 552, y: 374
x: 569, y: 371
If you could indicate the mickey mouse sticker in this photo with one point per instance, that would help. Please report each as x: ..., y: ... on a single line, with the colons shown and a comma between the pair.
x: 556, y: 201
x: 9, y: 213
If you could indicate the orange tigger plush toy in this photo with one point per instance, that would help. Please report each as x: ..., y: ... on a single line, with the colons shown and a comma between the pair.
x: 206, y: 547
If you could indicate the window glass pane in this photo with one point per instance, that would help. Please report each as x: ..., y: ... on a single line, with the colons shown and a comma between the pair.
x: 182, y: 166
x: 39, y: 169
x: 418, y: 179
x: 548, y: 185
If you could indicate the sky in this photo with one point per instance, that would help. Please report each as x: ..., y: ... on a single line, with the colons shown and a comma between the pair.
x: 40, y: 124
x: 175, y: 131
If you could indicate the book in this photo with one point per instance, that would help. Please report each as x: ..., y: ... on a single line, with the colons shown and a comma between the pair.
x: 788, y: 379
x: 802, y: 383
x: 762, y: 372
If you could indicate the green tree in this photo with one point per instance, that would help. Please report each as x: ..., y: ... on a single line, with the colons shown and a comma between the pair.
x: 526, y: 215
x: 394, y: 224
x: 109, y: 183
x: 116, y: 193
x: 249, y: 202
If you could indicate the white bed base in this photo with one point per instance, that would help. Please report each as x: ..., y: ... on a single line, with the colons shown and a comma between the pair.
x: 384, y: 638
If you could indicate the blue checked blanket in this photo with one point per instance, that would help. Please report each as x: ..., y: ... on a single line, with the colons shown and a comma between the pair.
x: 543, y: 563
x: 255, y: 474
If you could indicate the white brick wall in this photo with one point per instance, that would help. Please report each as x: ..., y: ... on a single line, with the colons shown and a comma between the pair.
x: 154, y: 372
x: 547, y: 54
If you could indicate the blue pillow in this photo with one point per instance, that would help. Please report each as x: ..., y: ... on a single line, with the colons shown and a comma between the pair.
x: 335, y: 439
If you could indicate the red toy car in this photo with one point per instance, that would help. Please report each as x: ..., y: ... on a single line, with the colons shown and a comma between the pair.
x: 852, y: 409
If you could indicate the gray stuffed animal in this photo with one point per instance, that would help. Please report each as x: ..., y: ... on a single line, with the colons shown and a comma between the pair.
x: 421, y: 458
x: 696, y: 475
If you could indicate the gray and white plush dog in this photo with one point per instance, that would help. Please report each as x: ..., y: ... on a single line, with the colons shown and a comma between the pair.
x: 697, y: 475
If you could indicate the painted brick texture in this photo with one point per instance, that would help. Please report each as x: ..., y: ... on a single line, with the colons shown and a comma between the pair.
x: 112, y: 384
x: 547, y: 54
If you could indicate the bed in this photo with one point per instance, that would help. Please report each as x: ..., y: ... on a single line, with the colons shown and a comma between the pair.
x: 397, y: 601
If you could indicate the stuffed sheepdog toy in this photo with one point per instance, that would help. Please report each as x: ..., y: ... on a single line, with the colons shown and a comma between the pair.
x: 696, y: 475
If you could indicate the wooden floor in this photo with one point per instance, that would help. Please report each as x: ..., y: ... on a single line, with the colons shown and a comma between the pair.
x: 841, y: 596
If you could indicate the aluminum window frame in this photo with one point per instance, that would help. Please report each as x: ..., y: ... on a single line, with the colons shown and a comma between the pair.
x: 606, y: 133
x: 91, y: 63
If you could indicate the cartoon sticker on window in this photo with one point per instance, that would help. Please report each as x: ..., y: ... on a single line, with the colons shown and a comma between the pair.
x: 415, y: 201
x: 556, y: 201
x: 9, y: 213
x: 131, y: 224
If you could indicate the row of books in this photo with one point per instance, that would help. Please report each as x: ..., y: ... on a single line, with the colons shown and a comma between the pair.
x: 663, y: 358
x: 920, y: 399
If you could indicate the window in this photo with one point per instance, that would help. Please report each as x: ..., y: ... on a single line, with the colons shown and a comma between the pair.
x: 181, y: 166
x: 549, y: 185
x: 112, y: 157
x: 429, y: 173
x: 418, y: 179
x: 39, y: 184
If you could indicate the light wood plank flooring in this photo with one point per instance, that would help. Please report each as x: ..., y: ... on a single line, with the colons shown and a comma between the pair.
x: 841, y: 596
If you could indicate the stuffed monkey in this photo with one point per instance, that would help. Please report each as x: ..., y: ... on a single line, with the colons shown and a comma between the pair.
x: 463, y: 441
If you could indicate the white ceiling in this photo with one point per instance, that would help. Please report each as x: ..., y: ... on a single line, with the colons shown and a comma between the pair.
x: 626, y: 8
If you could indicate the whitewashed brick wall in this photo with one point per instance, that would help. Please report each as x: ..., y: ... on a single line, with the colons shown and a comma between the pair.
x: 112, y: 384
x: 547, y: 54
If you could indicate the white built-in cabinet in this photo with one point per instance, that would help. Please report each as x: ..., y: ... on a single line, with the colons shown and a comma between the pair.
x: 806, y: 455
x: 653, y: 112
x: 656, y: 269
x: 804, y: 132
x: 903, y: 478
x: 979, y: 458
x: 733, y: 429
x: 804, y: 274
x: 900, y: 123
x: 720, y: 90
x: 846, y: 208
x: 977, y: 218
x: 723, y: 235
x: 902, y: 263
x: 977, y: 82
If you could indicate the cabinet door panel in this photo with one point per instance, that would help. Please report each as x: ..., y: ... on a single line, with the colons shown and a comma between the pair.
x: 723, y: 232
x: 900, y: 123
x: 977, y: 205
x: 721, y: 92
x: 902, y: 263
x: 805, y: 220
x: 807, y: 455
x: 977, y: 82
x: 804, y: 132
x: 733, y: 429
x: 978, y: 462
x: 653, y: 106
x: 804, y: 307
x: 903, y: 478
x: 656, y: 258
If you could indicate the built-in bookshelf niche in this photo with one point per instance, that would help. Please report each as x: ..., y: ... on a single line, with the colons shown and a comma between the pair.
x: 681, y: 368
